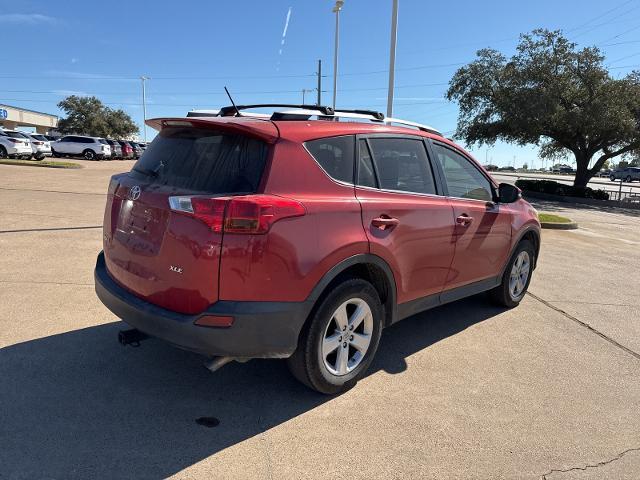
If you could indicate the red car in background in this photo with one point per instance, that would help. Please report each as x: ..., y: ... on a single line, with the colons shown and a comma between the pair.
x: 295, y: 235
x: 127, y: 150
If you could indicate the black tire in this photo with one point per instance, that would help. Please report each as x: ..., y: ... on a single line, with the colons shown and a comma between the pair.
x: 3, y: 152
x: 307, y: 363
x: 612, y: 178
x: 628, y: 179
x: 89, y: 154
x: 502, y: 294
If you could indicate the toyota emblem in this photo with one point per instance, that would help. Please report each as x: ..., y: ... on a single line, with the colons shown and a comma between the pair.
x: 134, y: 193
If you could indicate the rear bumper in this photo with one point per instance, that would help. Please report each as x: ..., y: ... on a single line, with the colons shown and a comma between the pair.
x: 260, y: 329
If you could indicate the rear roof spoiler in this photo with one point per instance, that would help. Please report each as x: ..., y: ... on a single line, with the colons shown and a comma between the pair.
x: 264, y: 130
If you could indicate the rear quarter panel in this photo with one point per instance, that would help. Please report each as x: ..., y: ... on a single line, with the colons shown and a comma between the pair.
x: 286, y: 263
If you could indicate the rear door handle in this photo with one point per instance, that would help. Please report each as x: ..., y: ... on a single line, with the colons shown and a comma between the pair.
x: 464, y: 220
x: 385, y: 223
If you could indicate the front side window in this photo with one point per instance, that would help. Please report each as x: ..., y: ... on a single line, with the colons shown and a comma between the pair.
x: 463, y: 179
x: 402, y: 164
x: 335, y: 156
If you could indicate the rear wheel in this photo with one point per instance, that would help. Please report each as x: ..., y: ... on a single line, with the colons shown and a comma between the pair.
x: 89, y: 154
x: 340, y: 339
x: 612, y: 178
x: 516, y: 277
x: 628, y: 179
x: 3, y: 152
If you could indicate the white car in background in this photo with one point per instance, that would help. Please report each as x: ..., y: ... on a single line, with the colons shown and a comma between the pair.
x: 40, y: 146
x: 90, y: 148
x: 14, y: 145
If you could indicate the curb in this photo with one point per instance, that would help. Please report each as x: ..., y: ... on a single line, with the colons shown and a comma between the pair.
x: 559, y: 226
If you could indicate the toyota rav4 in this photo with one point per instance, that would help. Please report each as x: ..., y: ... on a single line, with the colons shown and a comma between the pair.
x: 296, y: 235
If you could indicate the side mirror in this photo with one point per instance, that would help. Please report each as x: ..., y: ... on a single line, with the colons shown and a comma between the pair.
x: 508, y: 193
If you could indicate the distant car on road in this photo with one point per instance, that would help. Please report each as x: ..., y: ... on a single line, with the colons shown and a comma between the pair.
x: 628, y: 174
x: 90, y: 148
x: 507, y: 169
x: 603, y: 173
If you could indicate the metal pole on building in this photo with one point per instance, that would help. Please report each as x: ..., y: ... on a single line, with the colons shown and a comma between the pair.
x: 144, y: 107
x: 336, y: 10
x: 392, y: 57
x: 319, y: 82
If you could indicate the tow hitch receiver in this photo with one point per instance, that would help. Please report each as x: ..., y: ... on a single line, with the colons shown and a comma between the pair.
x: 131, y: 337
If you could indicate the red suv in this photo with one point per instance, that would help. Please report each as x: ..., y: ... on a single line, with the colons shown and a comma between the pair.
x: 299, y: 236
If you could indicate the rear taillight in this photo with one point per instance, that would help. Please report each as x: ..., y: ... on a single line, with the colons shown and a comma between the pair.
x: 38, y: 143
x: 252, y: 214
x: 14, y: 140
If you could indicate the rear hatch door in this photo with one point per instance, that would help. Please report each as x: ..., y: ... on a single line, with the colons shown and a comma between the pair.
x: 163, y: 256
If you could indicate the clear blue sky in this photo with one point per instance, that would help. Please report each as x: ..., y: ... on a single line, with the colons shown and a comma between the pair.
x: 191, y: 49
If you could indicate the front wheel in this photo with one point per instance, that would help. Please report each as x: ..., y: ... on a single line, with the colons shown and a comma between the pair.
x: 628, y: 179
x: 516, y: 277
x: 3, y: 152
x: 612, y: 178
x: 340, y: 339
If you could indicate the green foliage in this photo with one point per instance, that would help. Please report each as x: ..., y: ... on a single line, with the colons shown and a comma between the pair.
x: 549, y: 94
x: 555, y: 188
x: 88, y: 116
x: 622, y: 164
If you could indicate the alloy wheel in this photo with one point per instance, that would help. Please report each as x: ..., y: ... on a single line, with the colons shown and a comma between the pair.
x: 347, y: 337
x: 519, y: 275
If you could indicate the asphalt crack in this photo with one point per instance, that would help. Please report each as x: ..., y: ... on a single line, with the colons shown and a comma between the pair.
x: 586, y: 467
x: 586, y: 325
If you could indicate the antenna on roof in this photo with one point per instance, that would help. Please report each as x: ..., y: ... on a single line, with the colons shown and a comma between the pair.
x: 232, y: 102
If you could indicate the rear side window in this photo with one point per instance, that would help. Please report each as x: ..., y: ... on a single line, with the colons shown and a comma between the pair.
x: 402, y: 164
x: 204, y: 160
x: 335, y: 156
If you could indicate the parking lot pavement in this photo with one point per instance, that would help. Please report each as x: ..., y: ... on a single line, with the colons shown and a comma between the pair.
x: 464, y: 391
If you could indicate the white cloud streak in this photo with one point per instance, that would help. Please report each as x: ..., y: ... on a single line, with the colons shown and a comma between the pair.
x: 27, y: 19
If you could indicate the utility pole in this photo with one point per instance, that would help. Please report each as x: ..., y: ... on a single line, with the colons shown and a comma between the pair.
x: 392, y: 57
x: 144, y: 107
x: 319, y: 82
x: 336, y: 10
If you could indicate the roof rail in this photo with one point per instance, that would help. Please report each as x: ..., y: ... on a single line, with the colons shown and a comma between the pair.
x: 231, y: 110
x: 419, y: 126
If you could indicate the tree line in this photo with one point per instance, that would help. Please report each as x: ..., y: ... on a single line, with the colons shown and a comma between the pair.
x: 89, y: 116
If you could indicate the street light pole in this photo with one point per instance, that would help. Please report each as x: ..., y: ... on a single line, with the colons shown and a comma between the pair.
x: 392, y: 57
x: 336, y: 10
x: 144, y: 107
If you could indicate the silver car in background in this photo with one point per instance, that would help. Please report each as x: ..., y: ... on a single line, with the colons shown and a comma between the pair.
x: 628, y: 174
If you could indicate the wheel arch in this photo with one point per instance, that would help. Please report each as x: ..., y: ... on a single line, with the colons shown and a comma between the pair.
x: 530, y: 233
x: 367, y: 267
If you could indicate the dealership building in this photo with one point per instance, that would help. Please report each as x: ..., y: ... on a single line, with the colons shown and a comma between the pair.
x: 14, y: 117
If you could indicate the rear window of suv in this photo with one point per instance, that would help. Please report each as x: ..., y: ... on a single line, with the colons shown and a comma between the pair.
x: 204, y: 160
